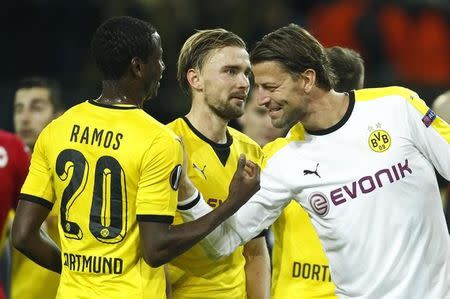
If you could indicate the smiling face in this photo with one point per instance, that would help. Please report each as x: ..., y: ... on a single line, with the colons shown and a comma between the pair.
x: 224, y: 79
x: 280, y: 92
x: 257, y: 124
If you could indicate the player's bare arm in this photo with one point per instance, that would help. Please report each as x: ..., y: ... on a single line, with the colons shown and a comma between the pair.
x: 29, y: 239
x: 162, y: 242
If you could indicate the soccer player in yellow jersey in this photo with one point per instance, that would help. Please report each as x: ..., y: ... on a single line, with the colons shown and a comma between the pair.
x: 115, y: 172
x: 214, y: 69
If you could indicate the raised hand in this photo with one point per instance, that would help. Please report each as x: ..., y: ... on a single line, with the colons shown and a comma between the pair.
x: 245, y: 182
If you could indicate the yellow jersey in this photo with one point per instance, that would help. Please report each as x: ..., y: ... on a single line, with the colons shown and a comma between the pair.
x: 25, y: 272
x: 110, y: 167
x: 210, y: 167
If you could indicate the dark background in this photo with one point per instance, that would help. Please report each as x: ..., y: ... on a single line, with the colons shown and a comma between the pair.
x: 404, y: 42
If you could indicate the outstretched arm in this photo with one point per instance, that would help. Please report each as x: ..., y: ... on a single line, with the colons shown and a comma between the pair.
x: 162, y: 242
x: 255, y: 216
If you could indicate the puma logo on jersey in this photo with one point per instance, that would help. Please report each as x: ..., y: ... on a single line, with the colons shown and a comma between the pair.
x: 306, y: 171
x: 201, y: 170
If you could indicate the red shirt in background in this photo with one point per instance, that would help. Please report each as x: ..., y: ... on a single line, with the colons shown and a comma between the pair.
x: 14, y: 163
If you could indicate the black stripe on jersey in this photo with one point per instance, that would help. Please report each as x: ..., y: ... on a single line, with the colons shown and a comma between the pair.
x: 155, y: 218
x: 222, y: 150
x: 262, y: 234
x: 191, y: 204
x: 351, y: 105
x: 112, y: 106
x: 36, y: 199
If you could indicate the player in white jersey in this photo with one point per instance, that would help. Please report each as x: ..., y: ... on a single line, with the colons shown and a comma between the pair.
x: 361, y: 165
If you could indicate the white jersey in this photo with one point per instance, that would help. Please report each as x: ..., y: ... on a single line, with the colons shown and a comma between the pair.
x: 369, y: 186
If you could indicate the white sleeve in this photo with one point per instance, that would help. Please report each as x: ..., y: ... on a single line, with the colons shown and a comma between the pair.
x: 430, y: 134
x: 249, y: 221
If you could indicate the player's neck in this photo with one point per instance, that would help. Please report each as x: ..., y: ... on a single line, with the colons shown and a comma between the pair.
x: 115, y: 92
x: 325, y: 109
x: 208, y: 123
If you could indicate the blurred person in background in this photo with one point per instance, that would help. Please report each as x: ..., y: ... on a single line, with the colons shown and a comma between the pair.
x: 441, y: 106
x: 14, y: 162
x: 360, y: 163
x: 214, y: 70
x: 348, y: 67
x: 37, y: 102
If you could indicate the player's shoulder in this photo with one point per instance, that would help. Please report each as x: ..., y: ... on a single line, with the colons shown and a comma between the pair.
x: 242, y: 138
x: 177, y: 125
x: 390, y: 92
x: 296, y: 133
x: 162, y: 131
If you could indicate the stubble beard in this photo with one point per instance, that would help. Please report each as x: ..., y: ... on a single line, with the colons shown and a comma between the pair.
x: 226, y: 110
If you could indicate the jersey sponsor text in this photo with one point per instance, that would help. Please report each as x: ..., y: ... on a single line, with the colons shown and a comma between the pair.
x: 93, y: 264
x: 366, y: 184
x: 311, y: 271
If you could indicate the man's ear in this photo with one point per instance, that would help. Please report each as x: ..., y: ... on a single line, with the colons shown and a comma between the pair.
x: 194, y: 78
x: 309, y: 77
x: 136, y: 67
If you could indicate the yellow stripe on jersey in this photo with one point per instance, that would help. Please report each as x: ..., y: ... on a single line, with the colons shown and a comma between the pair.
x: 368, y: 94
x: 299, y: 265
x: 296, y: 133
x: 438, y: 123
x: 108, y: 166
x: 194, y: 274
x: 411, y: 97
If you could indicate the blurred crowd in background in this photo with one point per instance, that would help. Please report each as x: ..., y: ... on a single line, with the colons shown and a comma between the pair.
x: 403, y: 42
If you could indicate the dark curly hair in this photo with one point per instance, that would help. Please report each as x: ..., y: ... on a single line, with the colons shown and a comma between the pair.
x: 296, y: 50
x: 117, y: 41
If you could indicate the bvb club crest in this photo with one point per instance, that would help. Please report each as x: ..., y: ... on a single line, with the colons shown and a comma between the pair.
x: 379, y: 140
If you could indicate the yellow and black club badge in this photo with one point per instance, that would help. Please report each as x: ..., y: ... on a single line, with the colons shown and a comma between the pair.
x: 379, y: 140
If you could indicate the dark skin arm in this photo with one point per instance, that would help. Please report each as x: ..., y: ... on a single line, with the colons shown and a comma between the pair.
x: 30, y: 240
x: 162, y: 242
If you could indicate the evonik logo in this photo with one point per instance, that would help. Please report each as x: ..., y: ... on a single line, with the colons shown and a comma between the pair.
x: 369, y: 183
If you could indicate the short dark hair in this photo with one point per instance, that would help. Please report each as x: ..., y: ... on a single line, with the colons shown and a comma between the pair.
x: 348, y: 67
x: 117, y: 41
x: 48, y: 83
x: 196, y: 49
x: 296, y: 50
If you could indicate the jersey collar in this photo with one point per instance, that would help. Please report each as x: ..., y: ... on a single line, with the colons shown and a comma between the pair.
x: 351, y: 105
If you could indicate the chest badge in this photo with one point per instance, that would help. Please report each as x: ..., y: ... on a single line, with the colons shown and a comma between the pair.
x: 379, y: 140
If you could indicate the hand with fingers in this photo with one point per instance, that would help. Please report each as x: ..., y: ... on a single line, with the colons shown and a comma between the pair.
x: 245, y: 182
x: 186, y: 188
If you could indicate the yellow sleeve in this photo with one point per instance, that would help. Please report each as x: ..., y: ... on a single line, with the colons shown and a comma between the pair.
x: 38, y: 184
x: 161, y: 168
